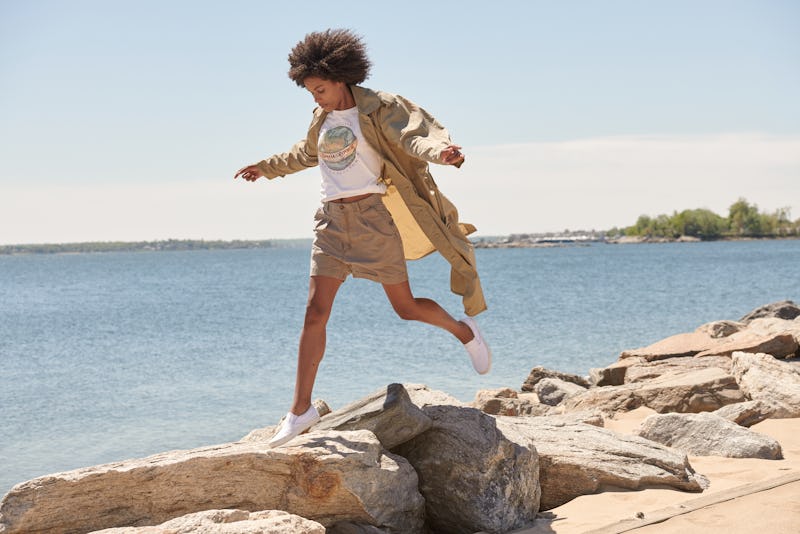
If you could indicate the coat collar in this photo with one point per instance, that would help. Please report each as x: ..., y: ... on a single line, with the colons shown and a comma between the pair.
x: 367, y: 100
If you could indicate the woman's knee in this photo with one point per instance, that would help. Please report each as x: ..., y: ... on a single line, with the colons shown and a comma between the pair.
x: 317, y: 314
x: 408, y: 311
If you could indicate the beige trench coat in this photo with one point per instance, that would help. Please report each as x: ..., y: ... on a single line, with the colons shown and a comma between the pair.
x: 407, y: 138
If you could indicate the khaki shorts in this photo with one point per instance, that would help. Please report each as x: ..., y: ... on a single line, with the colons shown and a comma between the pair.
x: 358, y: 238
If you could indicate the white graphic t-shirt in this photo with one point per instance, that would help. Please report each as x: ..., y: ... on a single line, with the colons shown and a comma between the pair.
x: 349, y: 165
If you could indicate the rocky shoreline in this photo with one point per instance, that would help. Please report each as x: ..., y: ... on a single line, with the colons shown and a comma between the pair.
x: 411, y: 459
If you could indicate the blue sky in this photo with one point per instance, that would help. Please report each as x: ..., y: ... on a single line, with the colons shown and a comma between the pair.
x: 125, y: 120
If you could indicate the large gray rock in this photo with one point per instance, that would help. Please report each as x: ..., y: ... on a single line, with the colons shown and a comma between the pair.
x: 706, y: 434
x: 746, y: 413
x: 539, y: 373
x: 785, y: 309
x: 388, y: 413
x: 348, y: 527
x: 553, y: 391
x: 700, y: 390
x: 391, y: 414
x: 229, y: 522
x: 579, y: 459
x: 763, y: 377
x: 327, y: 477
x: 472, y: 476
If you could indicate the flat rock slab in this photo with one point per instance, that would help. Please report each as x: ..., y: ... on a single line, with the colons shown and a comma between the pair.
x: 699, y: 390
x: 706, y: 434
x: 763, y: 377
x: 472, y: 476
x: 780, y: 344
x: 325, y: 477
x: 229, y: 522
x: 579, y: 459
x: 642, y: 370
x: 775, y: 336
x: 686, y: 344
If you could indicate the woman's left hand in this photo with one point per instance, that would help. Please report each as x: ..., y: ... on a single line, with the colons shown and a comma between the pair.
x: 452, y: 155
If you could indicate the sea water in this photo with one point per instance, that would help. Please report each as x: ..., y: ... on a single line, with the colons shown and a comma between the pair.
x: 110, y: 356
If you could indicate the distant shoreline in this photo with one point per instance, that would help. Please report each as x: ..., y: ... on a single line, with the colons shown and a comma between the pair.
x: 549, y: 240
x: 149, y: 246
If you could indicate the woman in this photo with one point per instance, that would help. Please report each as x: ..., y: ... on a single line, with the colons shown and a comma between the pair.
x: 380, y: 205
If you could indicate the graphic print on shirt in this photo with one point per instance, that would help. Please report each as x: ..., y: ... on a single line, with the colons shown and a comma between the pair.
x: 337, y: 148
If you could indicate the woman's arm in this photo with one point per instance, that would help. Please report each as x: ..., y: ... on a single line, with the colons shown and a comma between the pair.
x: 418, y: 133
x: 297, y: 159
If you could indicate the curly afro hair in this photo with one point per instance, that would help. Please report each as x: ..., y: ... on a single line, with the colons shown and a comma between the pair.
x: 335, y: 55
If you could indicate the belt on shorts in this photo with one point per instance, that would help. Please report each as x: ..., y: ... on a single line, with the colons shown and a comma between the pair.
x: 348, y: 200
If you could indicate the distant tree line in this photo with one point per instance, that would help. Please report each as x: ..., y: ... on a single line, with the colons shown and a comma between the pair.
x: 743, y: 220
x: 121, y: 246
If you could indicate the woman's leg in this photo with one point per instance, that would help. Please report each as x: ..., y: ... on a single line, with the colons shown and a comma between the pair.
x: 426, y: 310
x: 321, y: 292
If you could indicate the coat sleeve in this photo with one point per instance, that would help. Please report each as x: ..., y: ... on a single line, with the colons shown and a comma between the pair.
x: 301, y: 156
x: 295, y: 160
x: 415, y: 130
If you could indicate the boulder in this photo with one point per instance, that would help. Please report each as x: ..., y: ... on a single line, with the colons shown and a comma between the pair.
x: 779, y: 345
x: 588, y: 417
x: 706, y: 434
x: 579, y: 459
x: 642, y: 370
x: 348, y: 527
x: 422, y: 396
x: 326, y: 477
x: 614, y: 374
x: 719, y: 329
x: 472, y: 476
x: 388, y: 413
x: 701, y: 390
x: 229, y: 522
x: 768, y: 326
x: 506, y: 401
x: 538, y: 373
x: 693, y: 391
x: 746, y: 413
x: 763, y: 377
x: 785, y: 309
x: 553, y: 391
x: 391, y: 414
x: 607, y: 400
x: 687, y: 344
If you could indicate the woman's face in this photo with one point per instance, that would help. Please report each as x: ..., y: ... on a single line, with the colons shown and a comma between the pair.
x: 329, y: 95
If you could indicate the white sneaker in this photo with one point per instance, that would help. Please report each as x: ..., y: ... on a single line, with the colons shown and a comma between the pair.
x: 479, y: 351
x: 293, y: 426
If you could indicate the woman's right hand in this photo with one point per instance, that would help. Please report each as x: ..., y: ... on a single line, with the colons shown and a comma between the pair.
x: 251, y: 173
